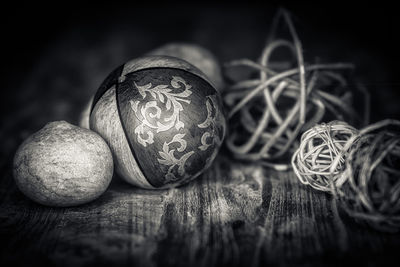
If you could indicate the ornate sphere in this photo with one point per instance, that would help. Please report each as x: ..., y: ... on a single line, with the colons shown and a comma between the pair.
x: 63, y: 165
x: 162, y: 119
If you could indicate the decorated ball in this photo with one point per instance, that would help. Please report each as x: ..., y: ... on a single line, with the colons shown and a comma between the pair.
x: 162, y: 119
x: 63, y: 165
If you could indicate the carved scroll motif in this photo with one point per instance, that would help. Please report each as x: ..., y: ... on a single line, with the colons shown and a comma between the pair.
x: 150, y: 111
x: 210, y: 122
x: 168, y: 158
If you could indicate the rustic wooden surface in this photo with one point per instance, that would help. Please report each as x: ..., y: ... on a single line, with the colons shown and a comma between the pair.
x: 236, y: 214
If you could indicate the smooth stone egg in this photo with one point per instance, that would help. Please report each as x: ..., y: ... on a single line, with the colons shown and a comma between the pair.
x: 63, y: 165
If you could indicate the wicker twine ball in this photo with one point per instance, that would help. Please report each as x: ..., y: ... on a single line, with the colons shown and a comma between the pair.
x: 371, y: 193
x: 270, y: 110
x: 321, y: 147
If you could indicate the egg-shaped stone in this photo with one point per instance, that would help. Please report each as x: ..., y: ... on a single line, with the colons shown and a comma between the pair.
x: 63, y: 165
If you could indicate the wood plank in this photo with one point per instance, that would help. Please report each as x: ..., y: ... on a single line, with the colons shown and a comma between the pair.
x: 234, y: 215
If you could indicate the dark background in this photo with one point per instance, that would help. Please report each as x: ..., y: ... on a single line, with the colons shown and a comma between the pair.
x: 54, y: 56
x: 365, y: 34
x: 364, y: 30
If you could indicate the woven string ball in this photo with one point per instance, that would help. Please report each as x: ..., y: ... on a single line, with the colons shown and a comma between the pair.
x: 320, y: 148
x: 162, y: 119
x: 270, y: 110
x: 371, y: 193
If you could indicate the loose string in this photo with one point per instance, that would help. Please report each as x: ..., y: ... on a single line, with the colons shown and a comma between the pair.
x: 262, y: 125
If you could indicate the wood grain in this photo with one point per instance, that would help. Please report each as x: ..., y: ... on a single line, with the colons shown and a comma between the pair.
x: 234, y: 215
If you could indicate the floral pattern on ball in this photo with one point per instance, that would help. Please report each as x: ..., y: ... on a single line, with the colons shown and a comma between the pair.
x: 174, y: 123
x: 168, y: 158
x: 212, y: 115
x: 165, y: 95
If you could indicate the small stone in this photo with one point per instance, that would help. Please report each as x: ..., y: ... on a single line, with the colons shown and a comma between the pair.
x: 63, y: 165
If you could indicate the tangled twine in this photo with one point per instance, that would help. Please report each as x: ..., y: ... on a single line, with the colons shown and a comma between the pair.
x: 268, y: 113
x: 371, y: 192
x: 321, y: 147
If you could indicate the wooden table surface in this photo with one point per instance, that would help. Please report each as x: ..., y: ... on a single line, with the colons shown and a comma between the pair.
x: 236, y: 214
